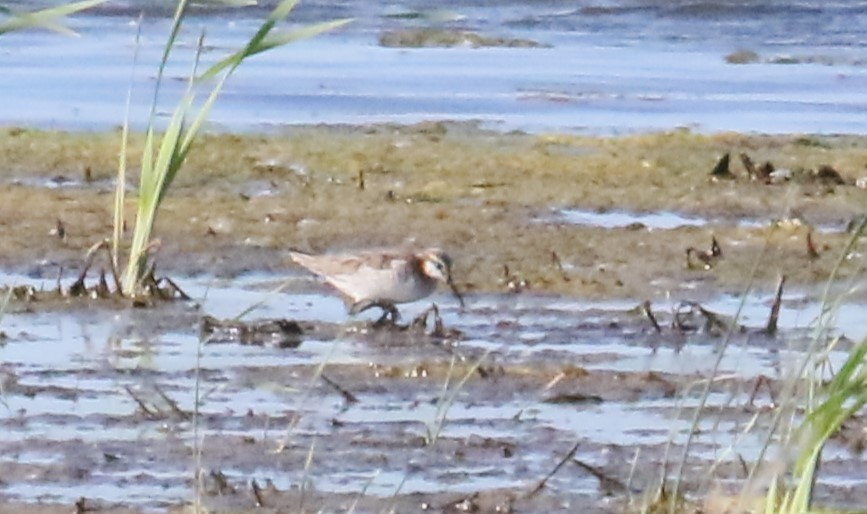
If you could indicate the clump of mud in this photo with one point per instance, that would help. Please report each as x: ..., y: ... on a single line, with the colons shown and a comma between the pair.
x: 433, y: 37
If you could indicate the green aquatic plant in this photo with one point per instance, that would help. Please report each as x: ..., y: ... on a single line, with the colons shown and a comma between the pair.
x: 811, y: 407
x: 826, y: 404
x: 46, y: 19
x: 164, y: 155
x: 836, y: 402
x: 434, y: 427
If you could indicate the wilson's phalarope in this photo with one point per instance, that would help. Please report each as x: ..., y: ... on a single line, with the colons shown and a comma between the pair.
x: 382, y: 278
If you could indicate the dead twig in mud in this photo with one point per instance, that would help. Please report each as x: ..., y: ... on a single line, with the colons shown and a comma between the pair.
x: 541, y: 484
x: 757, y: 173
x: 347, y: 396
x: 173, y: 405
x: 771, y: 327
x: 812, y: 252
x: 148, y: 412
x: 645, y: 307
x: 607, y: 485
x: 59, y: 285
x: 154, y: 412
x: 687, y: 311
x: 826, y: 174
x: 59, y: 230
x: 102, y: 290
x: 721, y: 170
x: 24, y: 293
x: 221, y: 483
x: 766, y: 172
x: 152, y: 287
x: 104, y: 245
x: 257, y: 493
x: 282, y: 333
x: 78, y: 288
x: 715, y: 248
x: 514, y: 283
x: 707, y: 257
x: 438, y: 331
x: 113, y: 267
x: 762, y: 380
x: 555, y: 258
x: 468, y: 504
x: 81, y: 506
x: 749, y: 166
x: 745, y: 469
x: 420, y: 321
x: 177, y: 289
x: 573, y: 399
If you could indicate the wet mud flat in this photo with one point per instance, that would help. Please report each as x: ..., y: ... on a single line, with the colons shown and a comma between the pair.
x: 547, y: 213
x: 528, y: 404
x: 553, y: 391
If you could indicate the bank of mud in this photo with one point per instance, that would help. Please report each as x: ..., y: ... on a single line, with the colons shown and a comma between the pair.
x: 557, y: 389
x: 495, y: 201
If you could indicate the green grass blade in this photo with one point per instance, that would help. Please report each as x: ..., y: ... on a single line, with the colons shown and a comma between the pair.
x: 48, y: 19
x: 299, y: 34
x: 120, y: 187
x: 843, y: 397
x: 177, y: 22
x: 282, y: 11
x: 278, y: 14
x: 154, y: 184
x: 273, y: 41
x: 145, y: 195
x: 200, y: 118
x: 161, y: 162
x: 228, y: 3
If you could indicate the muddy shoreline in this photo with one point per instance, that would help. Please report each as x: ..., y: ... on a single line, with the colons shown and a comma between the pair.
x: 496, y: 201
x: 557, y: 240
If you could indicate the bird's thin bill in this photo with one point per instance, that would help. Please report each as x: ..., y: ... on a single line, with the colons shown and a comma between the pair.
x: 456, y: 293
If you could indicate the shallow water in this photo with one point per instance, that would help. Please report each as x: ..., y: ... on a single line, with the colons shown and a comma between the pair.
x: 73, y: 429
x: 65, y: 402
x: 615, y: 67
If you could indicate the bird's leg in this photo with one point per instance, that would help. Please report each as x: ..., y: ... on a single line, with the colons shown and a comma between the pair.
x: 389, y: 315
x: 388, y: 310
x: 359, y: 307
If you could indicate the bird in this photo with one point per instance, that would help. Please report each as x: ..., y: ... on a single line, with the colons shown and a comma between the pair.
x: 382, y: 277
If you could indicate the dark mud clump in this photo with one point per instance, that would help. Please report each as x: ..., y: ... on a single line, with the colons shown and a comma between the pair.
x: 432, y: 38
